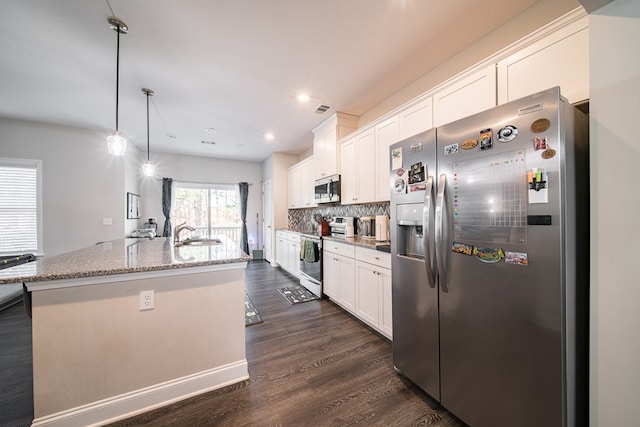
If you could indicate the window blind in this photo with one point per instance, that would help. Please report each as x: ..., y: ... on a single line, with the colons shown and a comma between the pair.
x: 18, y: 207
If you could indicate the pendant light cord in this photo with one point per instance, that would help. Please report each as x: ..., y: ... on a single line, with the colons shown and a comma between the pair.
x: 147, y: 127
x: 117, y: 73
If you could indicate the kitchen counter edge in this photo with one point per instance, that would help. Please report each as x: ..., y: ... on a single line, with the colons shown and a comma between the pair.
x: 357, y: 241
x: 115, y: 257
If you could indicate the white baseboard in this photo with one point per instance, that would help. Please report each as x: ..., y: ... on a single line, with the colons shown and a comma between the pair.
x: 146, y: 399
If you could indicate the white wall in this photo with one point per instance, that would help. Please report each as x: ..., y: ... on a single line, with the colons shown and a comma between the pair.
x: 132, y: 176
x: 276, y: 169
x: 91, y: 344
x: 82, y: 183
x: 202, y: 170
x: 615, y: 203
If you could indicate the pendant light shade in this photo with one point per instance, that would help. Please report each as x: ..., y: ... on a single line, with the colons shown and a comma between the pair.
x: 116, y: 143
x: 148, y: 169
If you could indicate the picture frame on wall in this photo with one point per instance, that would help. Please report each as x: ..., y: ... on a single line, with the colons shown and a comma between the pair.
x: 133, y: 206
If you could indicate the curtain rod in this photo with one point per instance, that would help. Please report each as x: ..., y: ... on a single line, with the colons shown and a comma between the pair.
x: 204, y: 183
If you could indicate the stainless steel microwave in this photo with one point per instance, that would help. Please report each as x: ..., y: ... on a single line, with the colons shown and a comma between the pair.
x: 327, y: 190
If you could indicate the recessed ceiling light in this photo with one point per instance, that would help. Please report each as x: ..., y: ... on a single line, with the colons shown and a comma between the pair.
x: 211, y: 130
x: 208, y: 142
x: 269, y: 136
x: 303, y: 97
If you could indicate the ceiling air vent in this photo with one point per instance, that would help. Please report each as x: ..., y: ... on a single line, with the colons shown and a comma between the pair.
x: 322, y: 109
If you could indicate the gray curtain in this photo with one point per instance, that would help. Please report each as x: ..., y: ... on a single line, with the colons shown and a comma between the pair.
x: 166, y: 206
x: 244, y: 194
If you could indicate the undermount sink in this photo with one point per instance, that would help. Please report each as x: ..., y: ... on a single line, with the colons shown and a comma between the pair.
x: 199, y: 242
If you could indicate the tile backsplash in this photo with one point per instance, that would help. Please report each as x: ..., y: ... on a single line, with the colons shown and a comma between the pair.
x: 302, y: 219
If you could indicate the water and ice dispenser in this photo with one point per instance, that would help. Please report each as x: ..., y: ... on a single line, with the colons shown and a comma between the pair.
x: 410, y: 237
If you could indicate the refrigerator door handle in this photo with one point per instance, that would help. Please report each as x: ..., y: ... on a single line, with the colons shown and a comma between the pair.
x: 427, y: 213
x: 439, y: 231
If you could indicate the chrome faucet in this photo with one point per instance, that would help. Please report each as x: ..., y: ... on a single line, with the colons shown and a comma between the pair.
x: 178, y: 229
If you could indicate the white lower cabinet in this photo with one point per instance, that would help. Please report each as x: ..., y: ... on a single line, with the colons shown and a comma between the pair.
x: 385, y: 323
x: 288, y: 251
x: 338, y: 274
x: 367, y: 295
x: 359, y: 280
x: 330, y: 275
x: 281, y: 249
x: 373, y: 296
x: 373, y: 289
x: 294, y: 258
x: 347, y: 290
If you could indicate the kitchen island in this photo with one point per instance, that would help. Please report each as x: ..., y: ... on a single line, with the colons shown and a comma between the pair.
x: 103, y: 351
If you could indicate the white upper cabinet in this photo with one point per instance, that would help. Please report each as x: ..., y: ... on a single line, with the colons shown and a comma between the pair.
x: 293, y: 177
x: 386, y: 134
x: 326, y: 151
x: 467, y: 95
x: 348, y: 171
x: 307, y: 191
x: 415, y: 118
x: 358, y: 168
x: 301, y: 188
x: 560, y: 59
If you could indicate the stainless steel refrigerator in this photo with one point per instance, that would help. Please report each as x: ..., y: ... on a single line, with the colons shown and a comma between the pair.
x: 489, y: 243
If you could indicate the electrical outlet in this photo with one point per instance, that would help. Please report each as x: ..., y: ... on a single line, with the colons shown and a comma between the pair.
x: 147, y: 300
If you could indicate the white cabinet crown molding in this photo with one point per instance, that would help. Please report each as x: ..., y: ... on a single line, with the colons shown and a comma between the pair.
x: 554, y: 26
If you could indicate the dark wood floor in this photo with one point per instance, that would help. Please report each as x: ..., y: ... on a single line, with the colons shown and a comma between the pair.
x: 16, y: 367
x: 310, y: 364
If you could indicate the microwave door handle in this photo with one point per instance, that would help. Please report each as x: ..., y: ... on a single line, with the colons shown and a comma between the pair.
x: 427, y: 232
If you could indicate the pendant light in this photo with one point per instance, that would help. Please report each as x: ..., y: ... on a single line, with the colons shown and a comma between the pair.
x: 148, y: 169
x: 116, y: 143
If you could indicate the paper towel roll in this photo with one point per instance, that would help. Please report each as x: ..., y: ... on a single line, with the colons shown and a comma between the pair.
x: 349, y: 231
x: 382, y: 228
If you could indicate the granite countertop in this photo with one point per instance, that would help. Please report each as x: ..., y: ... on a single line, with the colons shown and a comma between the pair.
x: 123, y: 256
x: 357, y: 241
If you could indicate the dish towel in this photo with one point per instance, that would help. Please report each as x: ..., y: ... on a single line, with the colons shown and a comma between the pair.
x: 309, y: 251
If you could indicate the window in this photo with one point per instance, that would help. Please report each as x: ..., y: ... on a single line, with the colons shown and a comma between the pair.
x: 214, y: 210
x: 20, y: 206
